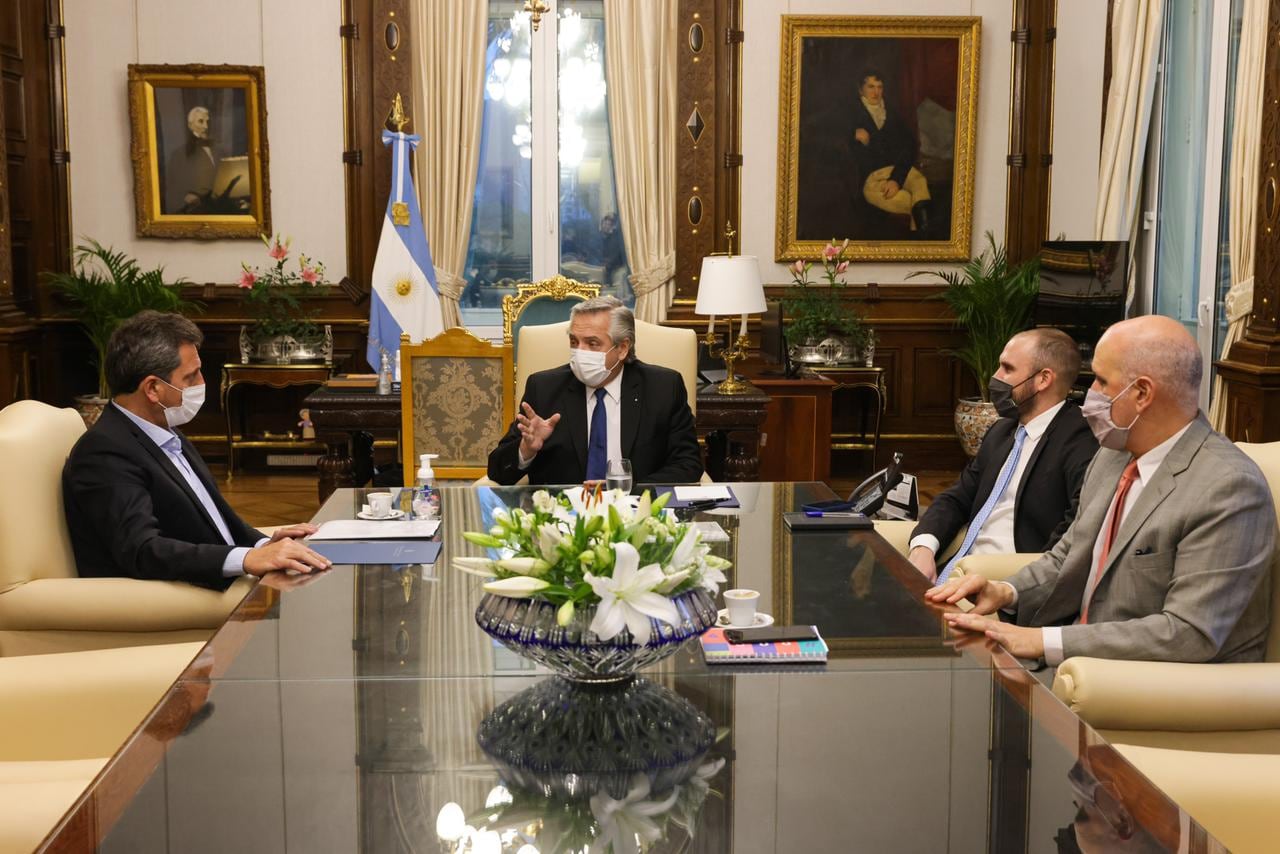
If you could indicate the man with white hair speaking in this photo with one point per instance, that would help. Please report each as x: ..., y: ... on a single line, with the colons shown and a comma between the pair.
x: 612, y: 405
x: 1169, y: 556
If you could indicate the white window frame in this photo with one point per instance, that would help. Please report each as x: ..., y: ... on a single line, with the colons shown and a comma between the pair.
x: 1148, y: 230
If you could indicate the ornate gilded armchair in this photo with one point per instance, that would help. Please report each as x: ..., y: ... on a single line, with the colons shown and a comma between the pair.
x: 540, y: 303
x: 457, y: 398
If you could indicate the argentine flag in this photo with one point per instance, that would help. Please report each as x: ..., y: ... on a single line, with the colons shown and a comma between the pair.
x: 405, y: 296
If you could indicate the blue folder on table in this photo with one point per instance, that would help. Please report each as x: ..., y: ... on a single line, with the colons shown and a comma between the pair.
x: 377, y: 551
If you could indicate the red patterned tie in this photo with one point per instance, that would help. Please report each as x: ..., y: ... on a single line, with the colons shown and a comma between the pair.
x: 1127, y: 477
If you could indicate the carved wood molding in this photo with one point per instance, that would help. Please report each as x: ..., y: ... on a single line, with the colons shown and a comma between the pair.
x: 377, y: 63
x: 1030, y: 127
x: 708, y: 157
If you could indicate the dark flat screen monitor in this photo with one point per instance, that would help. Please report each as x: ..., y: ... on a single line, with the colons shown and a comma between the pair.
x: 773, y: 346
x: 1082, y: 289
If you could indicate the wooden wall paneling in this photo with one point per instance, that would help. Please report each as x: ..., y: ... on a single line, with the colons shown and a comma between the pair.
x: 1251, y: 370
x: 374, y: 72
x: 33, y: 198
x: 1030, y: 159
x: 707, y: 152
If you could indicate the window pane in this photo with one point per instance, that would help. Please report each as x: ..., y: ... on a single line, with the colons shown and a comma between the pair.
x: 1224, y: 213
x: 1189, y: 28
x: 500, y: 251
x: 591, y: 247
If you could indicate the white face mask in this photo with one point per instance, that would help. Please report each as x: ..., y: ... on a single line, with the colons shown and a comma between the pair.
x: 192, y: 400
x: 1097, y: 411
x: 589, y: 366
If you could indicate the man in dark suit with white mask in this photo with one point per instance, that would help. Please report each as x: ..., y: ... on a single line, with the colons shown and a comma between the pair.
x: 604, y: 405
x: 139, y: 500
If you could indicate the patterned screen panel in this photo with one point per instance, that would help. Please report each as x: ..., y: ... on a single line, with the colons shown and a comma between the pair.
x: 457, y: 408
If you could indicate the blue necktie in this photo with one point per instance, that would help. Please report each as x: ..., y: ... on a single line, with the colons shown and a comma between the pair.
x: 598, y: 443
x: 1002, y: 483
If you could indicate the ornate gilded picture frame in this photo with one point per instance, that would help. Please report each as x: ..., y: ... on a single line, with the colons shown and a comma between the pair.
x: 199, y: 150
x: 876, y: 128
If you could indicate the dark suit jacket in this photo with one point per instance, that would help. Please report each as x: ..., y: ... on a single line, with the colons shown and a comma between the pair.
x: 658, y: 435
x: 1048, y: 491
x: 1188, y: 575
x: 892, y: 145
x: 132, y: 513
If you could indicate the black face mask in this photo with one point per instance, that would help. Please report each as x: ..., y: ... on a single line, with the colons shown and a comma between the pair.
x: 1002, y: 396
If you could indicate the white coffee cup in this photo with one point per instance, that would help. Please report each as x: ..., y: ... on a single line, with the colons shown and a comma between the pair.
x: 741, y: 604
x: 379, y: 504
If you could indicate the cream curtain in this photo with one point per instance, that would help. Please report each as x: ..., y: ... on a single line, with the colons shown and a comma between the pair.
x: 448, y: 41
x: 1246, y: 135
x: 640, y: 69
x: 1136, y: 27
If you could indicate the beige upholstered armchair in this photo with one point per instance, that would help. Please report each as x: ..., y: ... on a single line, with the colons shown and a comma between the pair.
x: 62, y: 718
x: 547, y: 346
x: 1207, y: 734
x: 456, y: 400
x: 1245, y: 696
x: 44, y: 606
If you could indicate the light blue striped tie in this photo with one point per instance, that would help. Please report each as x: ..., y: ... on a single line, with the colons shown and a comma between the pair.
x: 1002, y: 483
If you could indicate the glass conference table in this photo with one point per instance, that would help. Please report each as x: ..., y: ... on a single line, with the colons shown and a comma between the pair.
x: 364, y: 710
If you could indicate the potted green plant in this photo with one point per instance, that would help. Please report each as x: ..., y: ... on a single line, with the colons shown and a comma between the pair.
x: 107, y: 287
x: 991, y: 300
x: 285, y: 328
x: 822, y: 327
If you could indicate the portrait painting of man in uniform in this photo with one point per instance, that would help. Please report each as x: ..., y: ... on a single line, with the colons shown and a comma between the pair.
x: 876, y: 136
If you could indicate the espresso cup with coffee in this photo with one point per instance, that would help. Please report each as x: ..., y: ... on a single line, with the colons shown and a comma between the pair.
x: 741, y: 605
x: 379, y: 504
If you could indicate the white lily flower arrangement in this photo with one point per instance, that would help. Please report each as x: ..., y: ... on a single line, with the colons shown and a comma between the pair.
x: 573, y: 550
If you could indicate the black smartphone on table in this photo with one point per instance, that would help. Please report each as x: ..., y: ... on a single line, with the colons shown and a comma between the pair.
x: 771, y: 634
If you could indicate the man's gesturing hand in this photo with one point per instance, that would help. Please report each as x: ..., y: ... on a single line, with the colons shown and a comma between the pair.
x: 534, y: 430
x: 283, y: 554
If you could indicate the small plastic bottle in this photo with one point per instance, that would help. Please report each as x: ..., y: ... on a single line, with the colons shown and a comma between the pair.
x: 384, y: 374
x: 426, y: 499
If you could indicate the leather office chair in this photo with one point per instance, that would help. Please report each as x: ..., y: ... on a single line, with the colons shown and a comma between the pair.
x: 44, y: 606
x: 63, y: 716
x: 547, y: 346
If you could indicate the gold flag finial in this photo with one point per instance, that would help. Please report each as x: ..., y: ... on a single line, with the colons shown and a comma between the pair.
x: 729, y: 234
x: 397, y: 116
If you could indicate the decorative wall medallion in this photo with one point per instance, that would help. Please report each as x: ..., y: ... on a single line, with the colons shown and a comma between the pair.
x: 695, y: 125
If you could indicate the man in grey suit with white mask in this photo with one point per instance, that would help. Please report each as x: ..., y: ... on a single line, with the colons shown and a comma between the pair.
x: 1169, y: 556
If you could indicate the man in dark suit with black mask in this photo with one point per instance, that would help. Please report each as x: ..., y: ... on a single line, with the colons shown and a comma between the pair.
x: 140, y: 503
x: 1019, y: 493
x: 612, y: 405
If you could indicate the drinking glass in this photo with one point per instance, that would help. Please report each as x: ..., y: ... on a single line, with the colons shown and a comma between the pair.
x: 618, y: 475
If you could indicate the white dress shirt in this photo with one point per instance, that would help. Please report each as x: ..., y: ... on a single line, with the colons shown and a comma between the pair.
x: 613, y: 417
x: 996, y: 536
x: 169, y: 442
x: 1148, y: 465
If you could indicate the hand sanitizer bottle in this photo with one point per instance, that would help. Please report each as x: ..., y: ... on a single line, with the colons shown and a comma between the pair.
x: 426, y: 500
x: 384, y: 374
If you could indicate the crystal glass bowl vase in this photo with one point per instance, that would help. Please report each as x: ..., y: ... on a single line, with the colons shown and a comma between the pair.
x: 569, y: 740
x: 528, y: 627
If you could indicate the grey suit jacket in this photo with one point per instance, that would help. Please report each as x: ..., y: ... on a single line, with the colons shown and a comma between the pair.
x: 1188, y: 576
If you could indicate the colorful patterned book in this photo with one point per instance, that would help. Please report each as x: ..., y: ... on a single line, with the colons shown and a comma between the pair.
x: 717, y: 650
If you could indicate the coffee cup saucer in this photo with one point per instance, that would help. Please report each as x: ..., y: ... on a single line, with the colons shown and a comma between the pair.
x: 761, y: 620
x: 394, y: 514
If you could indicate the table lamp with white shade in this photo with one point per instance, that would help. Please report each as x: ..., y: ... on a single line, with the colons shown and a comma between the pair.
x: 729, y: 285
